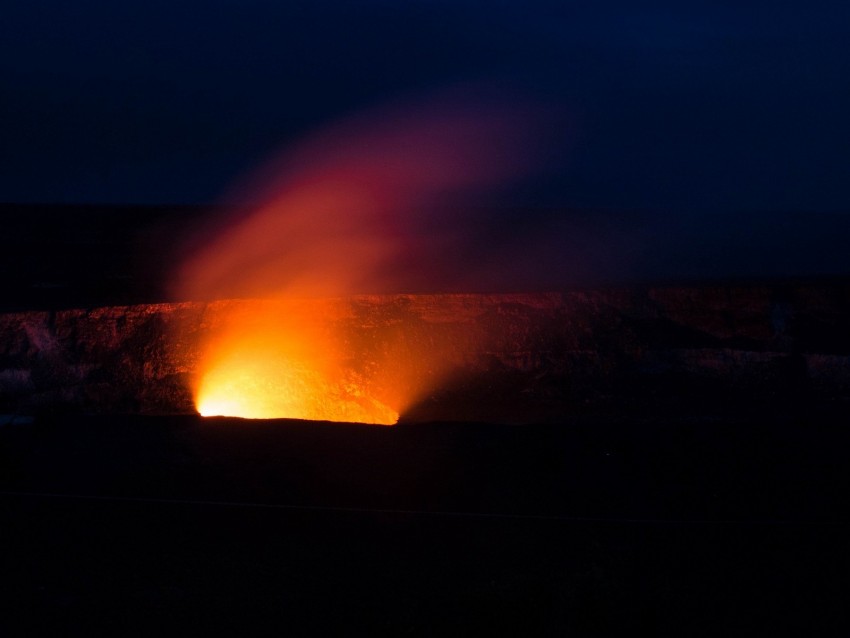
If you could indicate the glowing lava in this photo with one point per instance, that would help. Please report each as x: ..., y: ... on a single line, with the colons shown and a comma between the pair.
x: 257, y: 386
x: 269, y: 361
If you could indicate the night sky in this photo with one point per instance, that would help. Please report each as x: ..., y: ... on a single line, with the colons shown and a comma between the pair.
x: 715, y: 128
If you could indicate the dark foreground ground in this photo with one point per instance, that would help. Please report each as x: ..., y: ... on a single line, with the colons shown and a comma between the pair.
x: 149, y: 524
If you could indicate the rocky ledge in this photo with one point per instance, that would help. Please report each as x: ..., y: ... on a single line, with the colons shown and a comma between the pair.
x: 696, y: 351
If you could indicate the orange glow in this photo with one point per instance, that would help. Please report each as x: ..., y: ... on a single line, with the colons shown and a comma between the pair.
x: 259, y: 386
x: 351, y: 211
x: 268, y: 359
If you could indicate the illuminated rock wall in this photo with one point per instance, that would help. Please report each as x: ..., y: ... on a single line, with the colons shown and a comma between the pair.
x: 698, y: 350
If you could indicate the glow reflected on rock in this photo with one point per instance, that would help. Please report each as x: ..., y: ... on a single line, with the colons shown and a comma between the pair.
x: 264, y: 369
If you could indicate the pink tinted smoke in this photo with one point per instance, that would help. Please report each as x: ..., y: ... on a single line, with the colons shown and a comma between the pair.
x: 380, y: 202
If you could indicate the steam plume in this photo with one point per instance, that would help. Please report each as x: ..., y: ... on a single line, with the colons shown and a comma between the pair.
x: 377, y: 203
x: 380, y: 202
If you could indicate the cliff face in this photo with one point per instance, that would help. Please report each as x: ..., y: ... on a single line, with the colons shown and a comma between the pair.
x: 527, y: 357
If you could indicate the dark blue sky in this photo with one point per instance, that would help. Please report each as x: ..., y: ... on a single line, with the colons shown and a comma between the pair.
x: 690, y: 107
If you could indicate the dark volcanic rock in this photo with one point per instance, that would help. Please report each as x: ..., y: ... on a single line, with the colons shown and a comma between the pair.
x: 699, y: 350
